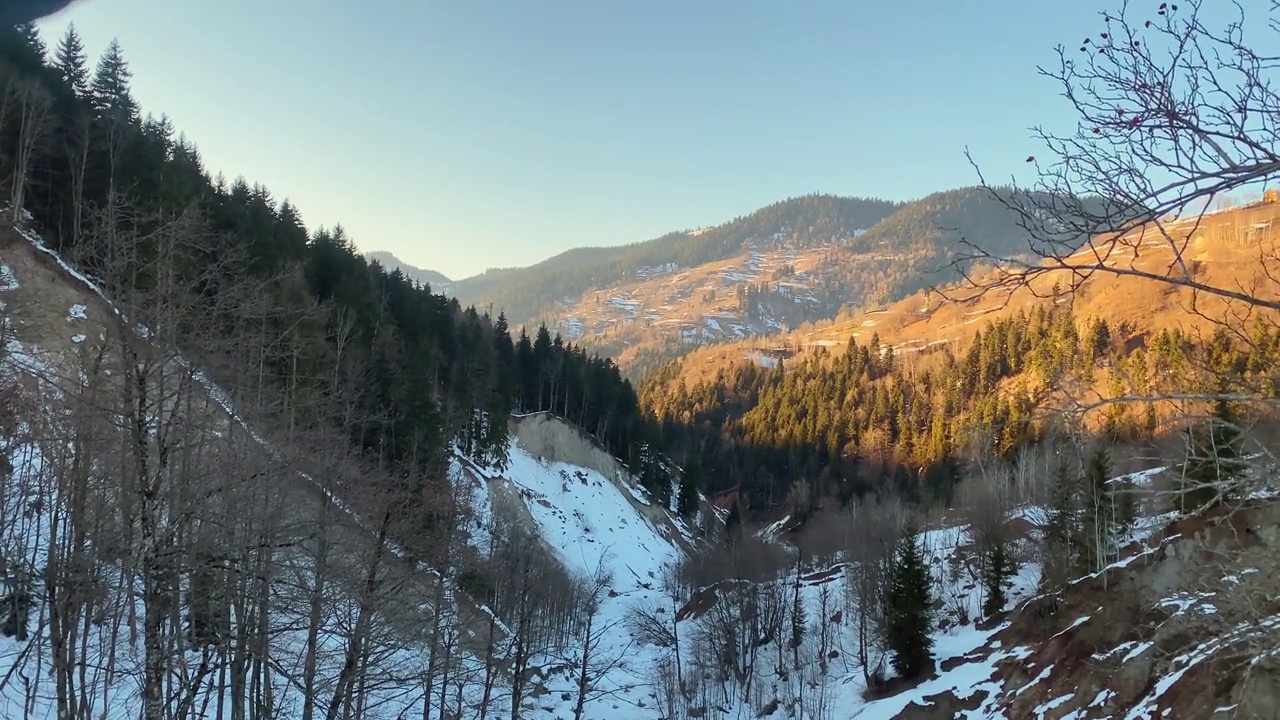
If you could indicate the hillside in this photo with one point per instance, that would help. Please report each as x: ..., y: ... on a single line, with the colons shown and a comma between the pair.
x: 437, y: 281
x: 538, y: 289
x: 561, y: 510
x: 1228, y: 248
x: 567, y: 574
x: 801, y: 260
x: 892, y: 399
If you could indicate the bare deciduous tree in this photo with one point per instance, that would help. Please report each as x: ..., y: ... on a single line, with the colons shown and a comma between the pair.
x: 1170, y: 114
x: 875, y: 528
x: 33, y: 104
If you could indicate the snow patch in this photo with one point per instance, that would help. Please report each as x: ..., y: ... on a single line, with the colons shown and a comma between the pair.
x: 8, y: 281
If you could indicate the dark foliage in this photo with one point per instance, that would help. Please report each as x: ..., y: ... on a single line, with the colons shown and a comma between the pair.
x: 1214, y: 466
x: 909, y: 609
x: 419, y: 372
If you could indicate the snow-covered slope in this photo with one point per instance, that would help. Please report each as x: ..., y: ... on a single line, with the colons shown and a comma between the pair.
x: 592, y: 525
x: 591, y: 521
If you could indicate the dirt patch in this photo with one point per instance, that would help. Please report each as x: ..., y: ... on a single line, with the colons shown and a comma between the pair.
x: 550, y: 439
x: 701, y: 602
x: 1158, y: 632
x: 41, y: 307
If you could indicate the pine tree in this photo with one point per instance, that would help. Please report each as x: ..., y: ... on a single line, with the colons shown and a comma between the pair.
x: 1062, y: 527
x: 72, y: 62
x: 909, y: 606
x: 110, y: 92
x: 30, y: 36
x: 733, y: 524
x: 997, y: 568
x: 1099, y: 338
x: 1099, y: 507
x: 1213, y: 468
x: 687, y: 501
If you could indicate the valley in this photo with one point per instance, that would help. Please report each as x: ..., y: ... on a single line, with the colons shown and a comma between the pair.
x: 999, y: 451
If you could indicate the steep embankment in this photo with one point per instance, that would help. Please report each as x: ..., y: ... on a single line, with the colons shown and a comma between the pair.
x: 602, y: 528
x: 292, y: 591
x: 1185, y: 625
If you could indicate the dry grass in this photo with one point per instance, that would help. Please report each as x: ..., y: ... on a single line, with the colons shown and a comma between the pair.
x: 40, y: 305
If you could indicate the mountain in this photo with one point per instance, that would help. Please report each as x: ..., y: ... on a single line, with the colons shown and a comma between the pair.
x: 438, y: 282
x: 566, y: 572
x: 246, y: 473
x: 499, y: 549
x: 887, y: 396
x: 801, y: 260
x: 540, y: 289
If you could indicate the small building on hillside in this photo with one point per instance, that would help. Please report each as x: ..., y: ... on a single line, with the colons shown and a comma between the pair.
x: 1271, y: 196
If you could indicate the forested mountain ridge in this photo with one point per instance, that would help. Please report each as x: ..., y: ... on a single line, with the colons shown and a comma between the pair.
x: 800, y: 260
x: 887, y: 398
x: 248, y: 473
x: 110, y: 182
x: 437, y: 281
x: 536, y: 292
x: 275, y: 439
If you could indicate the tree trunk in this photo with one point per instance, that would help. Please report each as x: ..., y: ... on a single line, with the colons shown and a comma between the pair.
x: 355, y: 646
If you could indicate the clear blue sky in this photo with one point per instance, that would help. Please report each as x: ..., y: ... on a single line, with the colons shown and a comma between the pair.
x: 463, y: 135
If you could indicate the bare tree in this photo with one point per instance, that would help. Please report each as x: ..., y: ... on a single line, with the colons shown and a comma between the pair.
x: 875, y: 528
x: 34, y: 104
x: 986, y: 503
x: 1170, y: 115
x: 590, y: 666
x: 534, y: 594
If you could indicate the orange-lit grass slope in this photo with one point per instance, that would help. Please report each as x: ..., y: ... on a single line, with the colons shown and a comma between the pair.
x: 1236, y: 249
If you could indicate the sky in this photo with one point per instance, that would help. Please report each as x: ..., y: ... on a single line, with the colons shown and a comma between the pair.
x: 463, y: 135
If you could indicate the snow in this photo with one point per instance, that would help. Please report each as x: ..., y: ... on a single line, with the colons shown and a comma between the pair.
x: 30, y: 659
x: 766, y: 361
x: 573, y: 328
x: 1137, y: 651
x: 965, y: 680
x: 1142, y: 478
x: 588, y: 520
x: 8, y: 281
x: 1183, y: 663
x: 79, y: 338
x: 1078, y: 622
x: 593, y: 521
x: 772, y: 531
x: 1182, y: 602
